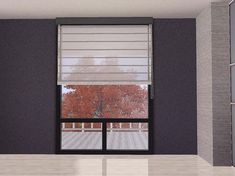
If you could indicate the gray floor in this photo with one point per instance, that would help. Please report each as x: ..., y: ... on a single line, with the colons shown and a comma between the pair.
x: 115, y: 140
x: 109, y: 165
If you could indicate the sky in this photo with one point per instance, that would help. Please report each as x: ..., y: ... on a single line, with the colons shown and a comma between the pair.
x: 65, y: 90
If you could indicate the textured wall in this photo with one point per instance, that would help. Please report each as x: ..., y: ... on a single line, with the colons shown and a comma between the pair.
x: 221, y: 84
x: 232, y: 19
x: 213, y: 85
x: 204, y: 86
x: 175, y: 123
x: 28, y: 79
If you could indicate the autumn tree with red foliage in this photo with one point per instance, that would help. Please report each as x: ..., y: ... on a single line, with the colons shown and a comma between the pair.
x: 109, y: 101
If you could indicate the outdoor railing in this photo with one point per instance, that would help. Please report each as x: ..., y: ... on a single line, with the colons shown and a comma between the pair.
x: 109, y: 129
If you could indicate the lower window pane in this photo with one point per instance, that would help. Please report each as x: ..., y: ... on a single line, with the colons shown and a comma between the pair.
x: 127, y: 136
x: 86, y: 136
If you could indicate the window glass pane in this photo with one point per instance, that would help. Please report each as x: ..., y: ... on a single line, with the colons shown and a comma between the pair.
x: 127, y: 136
x: 109, y: 101
x: 81, y: 136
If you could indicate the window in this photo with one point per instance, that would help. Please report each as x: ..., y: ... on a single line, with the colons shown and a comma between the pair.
x: 104, y: 101
x: 104, y: 76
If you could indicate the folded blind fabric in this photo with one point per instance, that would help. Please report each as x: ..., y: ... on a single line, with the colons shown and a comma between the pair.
x: 104, y: 54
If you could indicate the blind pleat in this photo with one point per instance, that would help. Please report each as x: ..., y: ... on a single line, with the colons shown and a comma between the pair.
x: 105, y: 77
x: 104, y: 54
x: 105, y: 45
x: 105, y: 61
x: 97, y: 69
x: 104, y: 29
x: 104, y: 37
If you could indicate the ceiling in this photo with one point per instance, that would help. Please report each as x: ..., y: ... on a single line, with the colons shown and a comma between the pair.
x: 101, y: 8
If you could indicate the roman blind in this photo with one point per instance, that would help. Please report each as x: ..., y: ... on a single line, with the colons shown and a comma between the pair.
x: 104, y: 54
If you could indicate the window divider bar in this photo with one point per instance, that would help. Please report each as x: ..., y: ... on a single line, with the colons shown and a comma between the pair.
x: 100, y: 73
x: 104, y: 136
x: 102, y: 65
x: 59, y: 53
x: 103, y: 120
x: 104, y: 49
x: 103, y: 41
x: 95, y: 57
x: 72, y: 33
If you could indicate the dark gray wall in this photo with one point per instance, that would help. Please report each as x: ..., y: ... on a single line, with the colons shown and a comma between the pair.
x: 175, y: 124
x: 28, y: 79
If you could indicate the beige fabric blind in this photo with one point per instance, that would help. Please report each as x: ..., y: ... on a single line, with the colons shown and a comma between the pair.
x: 104, y: 54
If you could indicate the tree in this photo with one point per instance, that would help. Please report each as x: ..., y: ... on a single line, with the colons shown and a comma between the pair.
x: 108, y: 101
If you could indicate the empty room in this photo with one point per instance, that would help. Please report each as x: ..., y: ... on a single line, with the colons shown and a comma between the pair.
x: 117, y: 87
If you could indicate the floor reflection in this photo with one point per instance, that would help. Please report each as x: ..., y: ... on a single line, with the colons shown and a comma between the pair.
x: 109, y: 165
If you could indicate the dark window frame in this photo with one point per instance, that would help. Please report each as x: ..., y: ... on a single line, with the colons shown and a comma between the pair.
x: 104, y: 121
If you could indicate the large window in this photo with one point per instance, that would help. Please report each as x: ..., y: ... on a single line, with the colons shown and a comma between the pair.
x: 104, y: 77
x: 104, y: 102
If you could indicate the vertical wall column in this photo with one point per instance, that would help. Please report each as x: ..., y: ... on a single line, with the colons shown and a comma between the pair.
x: 213, y: 84
x: 232, y: 67
x: 28, y: 91
x: 175, y: 121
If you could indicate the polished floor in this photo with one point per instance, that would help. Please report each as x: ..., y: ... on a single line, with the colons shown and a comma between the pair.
x: 115, y: 140
x: 109, y: 165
